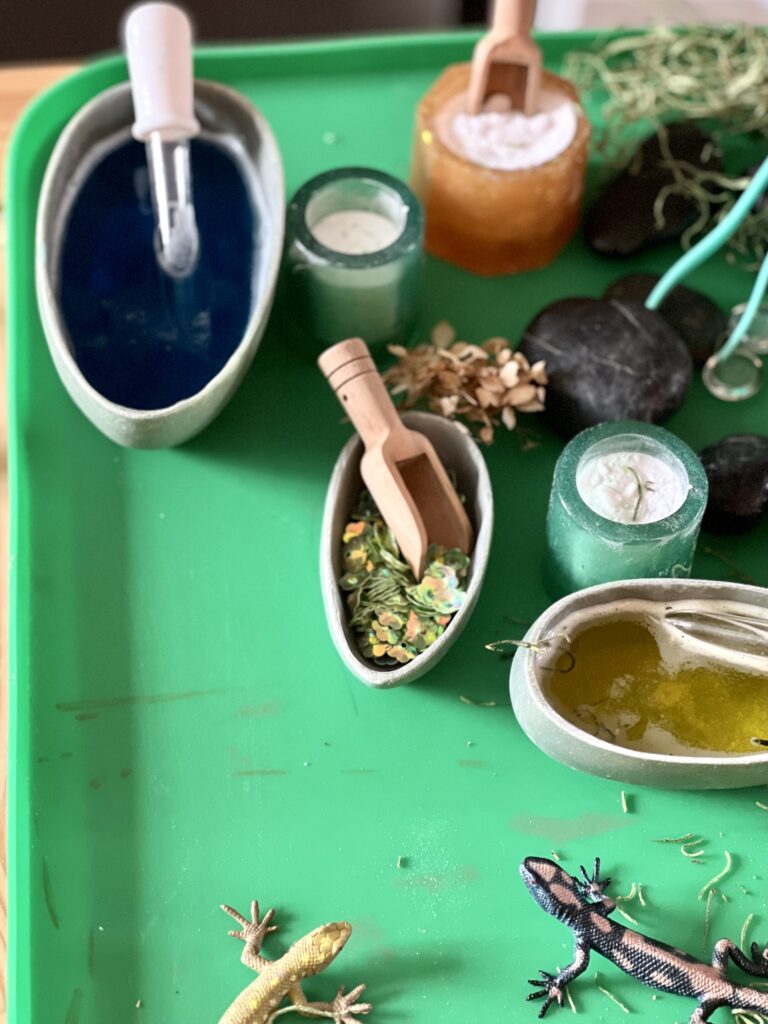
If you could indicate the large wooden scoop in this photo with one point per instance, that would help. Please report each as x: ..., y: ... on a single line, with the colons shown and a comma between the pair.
x: 400, y: 467
x: 506, y: 61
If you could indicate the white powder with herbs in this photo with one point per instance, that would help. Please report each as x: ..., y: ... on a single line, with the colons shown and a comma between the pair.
x: 510, y: 141
x: 631, y: 487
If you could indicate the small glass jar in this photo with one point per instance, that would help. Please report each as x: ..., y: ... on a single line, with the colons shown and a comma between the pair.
x: 493, y: 221
x: 737, y: 377
x: 756, y: 336
x: 366, y: 291
x: 740, y: 375
x: 585, y: 548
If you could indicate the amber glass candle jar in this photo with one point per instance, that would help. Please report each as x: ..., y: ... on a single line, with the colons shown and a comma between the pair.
x: 492, y: 221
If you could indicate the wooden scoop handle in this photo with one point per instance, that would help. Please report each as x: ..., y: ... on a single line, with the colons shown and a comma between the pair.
x: 352, y: 374
x: 512, y: 18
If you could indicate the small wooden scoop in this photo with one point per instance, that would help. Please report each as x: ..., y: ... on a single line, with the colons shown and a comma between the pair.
x: 506, y: 61
x: 400, y: 467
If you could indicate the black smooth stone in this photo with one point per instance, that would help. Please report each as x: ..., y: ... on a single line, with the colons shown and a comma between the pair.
x: 737, y: 470
x: 699, y: 322
x: 621, y: 222
x: 607, y: 360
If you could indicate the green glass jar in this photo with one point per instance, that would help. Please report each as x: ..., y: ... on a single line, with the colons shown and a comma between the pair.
x: 584, y: 546
x: 353, y: 257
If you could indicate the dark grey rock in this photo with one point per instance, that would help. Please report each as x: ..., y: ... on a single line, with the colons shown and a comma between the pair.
x: 737, y: 470
x: 621, y: 222
x: 607, y: 360
x: 699, y: 322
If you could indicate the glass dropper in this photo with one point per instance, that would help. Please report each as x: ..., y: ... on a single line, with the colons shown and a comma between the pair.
x: 158, y: 45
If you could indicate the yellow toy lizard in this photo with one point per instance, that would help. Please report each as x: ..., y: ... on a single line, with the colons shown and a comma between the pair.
x: 278, y: 979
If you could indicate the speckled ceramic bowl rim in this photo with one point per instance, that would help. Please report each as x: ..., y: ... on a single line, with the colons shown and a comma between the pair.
x: 336, y: 612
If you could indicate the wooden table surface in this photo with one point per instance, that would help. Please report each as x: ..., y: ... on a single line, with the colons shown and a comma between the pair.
x: 17, y: 87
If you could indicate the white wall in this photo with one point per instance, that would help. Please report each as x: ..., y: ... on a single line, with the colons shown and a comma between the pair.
x: 567, y: 15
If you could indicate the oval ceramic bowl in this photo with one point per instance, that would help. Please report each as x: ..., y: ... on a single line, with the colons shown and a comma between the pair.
x: 460, y: 454
x: 572, y: 746
x: 225, y: 115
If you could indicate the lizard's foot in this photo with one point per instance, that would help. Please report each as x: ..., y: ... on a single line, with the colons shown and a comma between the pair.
x: 760, y: 959
x: 593, y: 886
x: 344, y: 1007
x: 704, y: 1011
x: 253, y: 932
x: 550, y: 991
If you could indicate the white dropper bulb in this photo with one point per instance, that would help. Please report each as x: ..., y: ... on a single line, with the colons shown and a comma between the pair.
x: 158, y: 45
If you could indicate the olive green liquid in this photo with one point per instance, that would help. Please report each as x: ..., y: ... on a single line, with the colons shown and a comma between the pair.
x: 613, y: 683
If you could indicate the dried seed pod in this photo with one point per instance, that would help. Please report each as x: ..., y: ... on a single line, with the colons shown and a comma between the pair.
x: 485, y: 384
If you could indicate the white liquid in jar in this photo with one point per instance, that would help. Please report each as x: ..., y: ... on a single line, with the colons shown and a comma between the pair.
x: 356, y: 232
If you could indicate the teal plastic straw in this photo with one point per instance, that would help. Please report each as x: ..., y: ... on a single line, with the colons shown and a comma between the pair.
x: 707, y: 247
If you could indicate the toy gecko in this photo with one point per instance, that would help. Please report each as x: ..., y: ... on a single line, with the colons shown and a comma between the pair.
x: 585, y: 909
x: 278, y: 979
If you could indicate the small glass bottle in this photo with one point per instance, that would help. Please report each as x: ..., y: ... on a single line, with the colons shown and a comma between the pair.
x: 368, y: 286
x: 740, y: 375
x: 493, y: 221
x: 756, y: 336
x: 585, y: 548
x: 737, y: 377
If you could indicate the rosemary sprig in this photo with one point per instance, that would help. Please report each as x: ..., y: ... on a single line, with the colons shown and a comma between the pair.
x: 718, y: 877
x: 745, y: 931
x: 640, y: 492
x: 610, y: 995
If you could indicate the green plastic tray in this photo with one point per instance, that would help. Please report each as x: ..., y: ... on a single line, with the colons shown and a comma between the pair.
x: 182, y: 732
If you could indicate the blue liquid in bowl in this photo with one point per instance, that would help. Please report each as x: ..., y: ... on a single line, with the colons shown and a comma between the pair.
x: 141, y: 338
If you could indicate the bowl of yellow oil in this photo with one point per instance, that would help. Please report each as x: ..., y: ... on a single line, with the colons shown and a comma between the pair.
x: 653, y: 682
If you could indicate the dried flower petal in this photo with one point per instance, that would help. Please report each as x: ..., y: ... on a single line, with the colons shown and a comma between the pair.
x: 509, y: 374
x: 443, y: 334
x: 539, y: 373
x: 454, y: 378
x: 508, y: 417
x: 448, y: 406
x: 521, y: 394
x: 495, y: 345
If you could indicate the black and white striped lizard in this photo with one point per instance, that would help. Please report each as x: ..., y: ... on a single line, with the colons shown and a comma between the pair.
x: 585, y: 909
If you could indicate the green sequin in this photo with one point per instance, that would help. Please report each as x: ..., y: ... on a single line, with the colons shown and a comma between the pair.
x: 396, y: 617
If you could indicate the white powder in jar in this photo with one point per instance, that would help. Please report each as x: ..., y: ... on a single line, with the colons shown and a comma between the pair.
x: 510, y: 141
x: 356, y: 232
x: 631, y: 487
